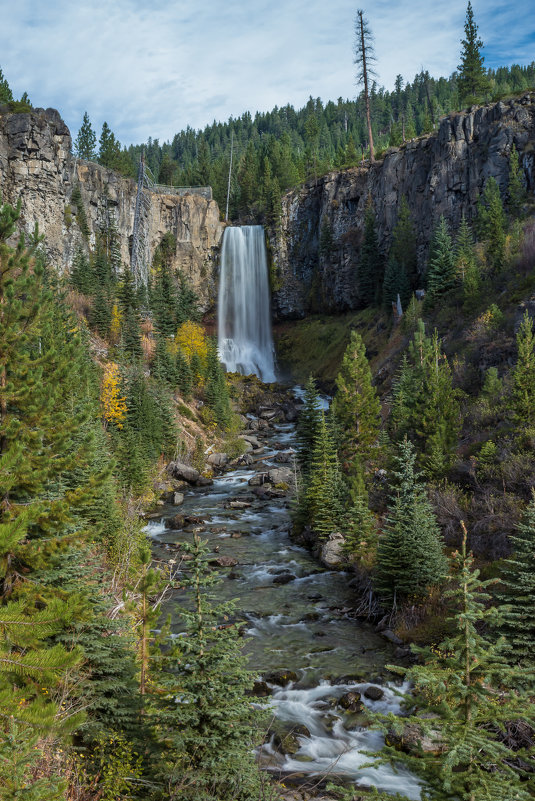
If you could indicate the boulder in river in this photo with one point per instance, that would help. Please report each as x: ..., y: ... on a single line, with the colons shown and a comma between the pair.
x: 280, y: 475
x: 284, y: 578
x: 183, y: 472
x: 413, y: 740
x: 261, y: 689
x: 223, y: 561
x: 252, y: 440
x: 351, y: 701
x: 332, y: 551
x: 175, y: 523
x: 373, y: 693
x: 280, y: 677
x: 204, y: 481
x: 218, y: 459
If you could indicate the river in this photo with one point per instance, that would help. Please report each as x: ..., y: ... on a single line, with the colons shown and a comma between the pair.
x: 298, y: 618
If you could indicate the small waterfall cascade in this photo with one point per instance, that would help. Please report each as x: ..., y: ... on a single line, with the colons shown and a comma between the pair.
x: 244, y: 322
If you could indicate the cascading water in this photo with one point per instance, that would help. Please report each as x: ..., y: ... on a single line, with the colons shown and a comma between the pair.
x: 244, y: 324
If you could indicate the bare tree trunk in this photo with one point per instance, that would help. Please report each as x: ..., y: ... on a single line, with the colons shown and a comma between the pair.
x: 366, y: 92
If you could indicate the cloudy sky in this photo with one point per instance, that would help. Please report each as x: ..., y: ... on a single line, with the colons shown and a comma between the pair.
x: 153, y: 71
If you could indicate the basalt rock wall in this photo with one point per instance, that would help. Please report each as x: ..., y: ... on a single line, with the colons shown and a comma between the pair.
x: 442, y: 173
x: 37, y: 167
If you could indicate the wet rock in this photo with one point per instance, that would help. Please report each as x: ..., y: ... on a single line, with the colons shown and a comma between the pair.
x: 203, y: 481
x: 238, y: 505
x: 351, y: 701
x: 268, y: 414
x: 183, y: 472
x: 245, y: 460
x: 285, y: 739
x: 218, y: 459
x: 175, y: 523
x: 223, y: 561
x: 280, y: 475
x: 311, y: 617
x: 402, y: 653
x: 373, y: 693
x: 193, y: 520
x: 356, y: 720
x: 391, y: 637
x: 236, y: 535
x: 315, y: 597
x: 285, y: 457
x: 261, y: 689
x: 173, y: 498
x: 280, y: 677
x: 234, y: 575
x: 258, y: 479
x: 413, y: 740
x: 285, y: 578
x: 332, y: 551
x: 252, y: 440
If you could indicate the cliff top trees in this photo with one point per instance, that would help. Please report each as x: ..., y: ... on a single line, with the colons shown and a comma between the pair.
x: 5, y: 92
x: 472, y: 82
x: 364, y: 59
x: 85, y: 144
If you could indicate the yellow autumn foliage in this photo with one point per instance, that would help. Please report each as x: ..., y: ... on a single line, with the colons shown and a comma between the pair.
x: 191, y: 339
x: 113, y: 406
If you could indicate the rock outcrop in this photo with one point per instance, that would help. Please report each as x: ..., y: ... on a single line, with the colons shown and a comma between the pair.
x: 442, y: 173
x: 37, y: 167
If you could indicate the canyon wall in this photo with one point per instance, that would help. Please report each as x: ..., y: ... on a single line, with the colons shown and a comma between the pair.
x: 37, y: 167
x: 442, y: 173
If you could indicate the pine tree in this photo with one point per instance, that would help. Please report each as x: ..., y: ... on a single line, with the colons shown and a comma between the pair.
x: 465, y: 259
x: 465, y: 697
x: 6, y: 95
x: 524, y: 374
x: 215, y: 388
x: 516, y: 192
x: 100, y: 315
x: 356, y: 407
x: 82, y: 278
x: 410, y: 559
x: 472, y: 80
x: 321, y: 502
x: 42, y: 444
x: 364, y: 59
x: 184, y: 375
x: 359, y: 528
x: 370, y: 266
x: 441, y: 269
x: 491, y: 223
x: 308, y: 424
x: 425, y: 405
x: 206, y: 740
x: 403, y: 249
x: 85, y: 144
x: 518, y: 578
x: 395, y: 283
x: 109, y: 154
x: 131, y: 336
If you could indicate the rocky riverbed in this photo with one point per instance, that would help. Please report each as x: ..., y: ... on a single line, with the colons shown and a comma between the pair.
x: 320, y: 667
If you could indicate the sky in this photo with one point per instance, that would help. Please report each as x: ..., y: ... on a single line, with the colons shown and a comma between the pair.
x: 151, y: 69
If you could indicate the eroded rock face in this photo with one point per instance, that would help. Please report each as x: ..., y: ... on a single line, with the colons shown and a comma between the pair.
x: 439, y: 174
x: 37, y: 166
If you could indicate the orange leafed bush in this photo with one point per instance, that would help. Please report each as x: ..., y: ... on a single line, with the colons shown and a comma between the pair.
x: 113, y: 406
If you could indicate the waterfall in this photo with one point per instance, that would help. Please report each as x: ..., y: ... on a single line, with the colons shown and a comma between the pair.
x: 244, y: 323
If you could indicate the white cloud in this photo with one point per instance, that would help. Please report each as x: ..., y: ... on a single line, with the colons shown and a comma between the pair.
x: 152, y: 71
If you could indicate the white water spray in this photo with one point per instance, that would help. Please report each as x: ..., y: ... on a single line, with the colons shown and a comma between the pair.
x: 244, y: 325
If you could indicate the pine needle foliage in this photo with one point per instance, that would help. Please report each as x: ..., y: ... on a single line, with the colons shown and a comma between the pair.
x: 204, y: 722
x: 308, y: 424
x: 518, y: 577
x: 524, y: 373
x: 441, y: 269
x: 464, y: 699
x: 356, y: 407
x: 410, y: 558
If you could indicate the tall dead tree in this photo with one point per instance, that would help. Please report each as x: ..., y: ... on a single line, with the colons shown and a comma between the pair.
x: 364, y: 59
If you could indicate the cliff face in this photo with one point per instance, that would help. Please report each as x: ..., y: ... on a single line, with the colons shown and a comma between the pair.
x: 36, y: 165
x: 439, y: 174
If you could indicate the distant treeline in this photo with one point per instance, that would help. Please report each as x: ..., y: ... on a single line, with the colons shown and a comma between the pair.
x: 277, y: 150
